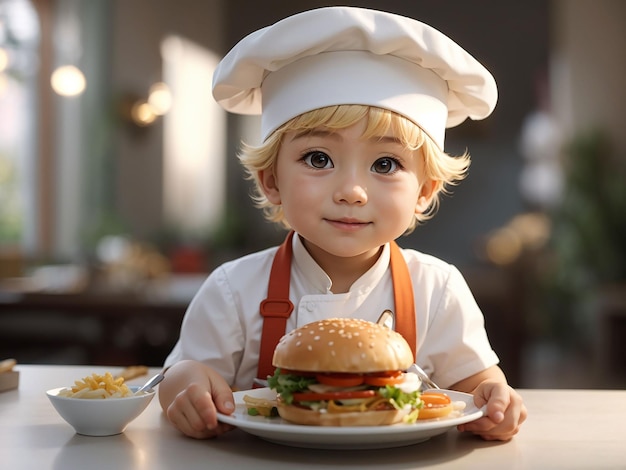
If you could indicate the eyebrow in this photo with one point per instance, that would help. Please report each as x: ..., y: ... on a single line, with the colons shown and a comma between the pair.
x: 387, y: 139
x: 314, y: 133
x: 320, y: 132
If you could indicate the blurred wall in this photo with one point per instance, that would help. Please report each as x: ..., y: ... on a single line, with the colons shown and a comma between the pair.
x: 137, y: 29
x: 589, y: 66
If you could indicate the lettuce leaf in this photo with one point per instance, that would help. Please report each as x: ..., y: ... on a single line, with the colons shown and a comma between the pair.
x: 399, y: 399
x: 288, y: 384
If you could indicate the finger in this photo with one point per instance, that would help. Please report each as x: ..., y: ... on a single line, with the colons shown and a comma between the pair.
x: 489, y: 432
x: 496, y: 405
x: 193, y: 411
x: 485, y: 427
x: 514, y: 415
x: 481, y: 425
x: 184, y: 417
x: 206, y: 407
x: 202, y: 406
x: 498, y: 402
x: 223, y: 397
x: 183, y: 424
x: 182, y: 421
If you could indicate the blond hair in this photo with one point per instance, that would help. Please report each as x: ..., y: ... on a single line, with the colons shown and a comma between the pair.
x: 443, y: 169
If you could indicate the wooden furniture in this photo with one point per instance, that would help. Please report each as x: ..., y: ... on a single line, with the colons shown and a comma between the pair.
x: 88, y: 328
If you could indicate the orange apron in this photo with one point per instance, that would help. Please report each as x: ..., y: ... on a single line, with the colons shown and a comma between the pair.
x: 277, y: 307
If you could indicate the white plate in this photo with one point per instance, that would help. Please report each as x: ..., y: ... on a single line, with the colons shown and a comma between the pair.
x: 353, y: 437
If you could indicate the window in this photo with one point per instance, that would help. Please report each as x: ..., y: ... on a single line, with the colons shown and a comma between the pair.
x: 194, y: 172
x: 19, y: 43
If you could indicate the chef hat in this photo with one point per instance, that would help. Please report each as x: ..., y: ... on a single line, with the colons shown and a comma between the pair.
x: 347, y: 55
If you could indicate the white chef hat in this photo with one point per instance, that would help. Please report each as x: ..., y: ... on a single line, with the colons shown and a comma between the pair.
x: 347, y: 55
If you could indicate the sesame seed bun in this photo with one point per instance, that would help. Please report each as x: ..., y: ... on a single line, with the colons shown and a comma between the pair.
x: 343, y: 345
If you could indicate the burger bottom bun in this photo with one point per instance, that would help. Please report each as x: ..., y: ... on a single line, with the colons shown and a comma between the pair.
x: 298, y: 415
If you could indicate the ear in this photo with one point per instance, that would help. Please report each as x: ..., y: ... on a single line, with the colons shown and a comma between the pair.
x: 269, y: 184
x: 428, y: 191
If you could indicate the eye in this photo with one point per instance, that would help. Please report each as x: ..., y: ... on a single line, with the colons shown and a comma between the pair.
x: 385, y: 165
x: 318, y: 160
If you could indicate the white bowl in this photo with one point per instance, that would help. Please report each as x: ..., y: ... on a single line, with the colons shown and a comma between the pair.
x: 99, y: 417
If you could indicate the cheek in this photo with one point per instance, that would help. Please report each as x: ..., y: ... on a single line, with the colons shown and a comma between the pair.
x: 402, y: 201
x: 301, y: 193
x: 393, y: 197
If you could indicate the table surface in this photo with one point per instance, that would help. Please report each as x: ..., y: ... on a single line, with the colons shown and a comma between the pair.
x: 568, y: 429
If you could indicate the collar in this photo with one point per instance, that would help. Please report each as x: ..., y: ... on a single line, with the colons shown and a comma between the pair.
x: 307, y: 268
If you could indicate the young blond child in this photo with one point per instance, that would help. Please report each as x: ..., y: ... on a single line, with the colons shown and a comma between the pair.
x: 354, y: 107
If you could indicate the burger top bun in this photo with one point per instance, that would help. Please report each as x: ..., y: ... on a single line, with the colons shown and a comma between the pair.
x: 346, y: 345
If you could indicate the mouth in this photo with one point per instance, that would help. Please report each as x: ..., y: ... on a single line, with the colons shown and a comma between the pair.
x: 347, y: 223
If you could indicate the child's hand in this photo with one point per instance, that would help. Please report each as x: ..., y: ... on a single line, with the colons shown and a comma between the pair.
x: 505, y: 411
x: 191, y: 395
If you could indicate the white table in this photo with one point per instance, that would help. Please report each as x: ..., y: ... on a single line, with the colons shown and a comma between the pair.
x: 566, y: 429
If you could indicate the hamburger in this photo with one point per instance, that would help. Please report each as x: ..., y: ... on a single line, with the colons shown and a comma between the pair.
x: 345, y: 372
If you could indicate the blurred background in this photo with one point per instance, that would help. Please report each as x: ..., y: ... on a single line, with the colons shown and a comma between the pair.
x: 120, y: 190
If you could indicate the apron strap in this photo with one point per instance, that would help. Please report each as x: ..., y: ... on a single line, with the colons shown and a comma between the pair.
x: 404, y: 302
x: 277, y: 307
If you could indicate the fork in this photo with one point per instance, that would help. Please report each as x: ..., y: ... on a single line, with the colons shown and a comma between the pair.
x: 417, y: 370
x: 387, y: 319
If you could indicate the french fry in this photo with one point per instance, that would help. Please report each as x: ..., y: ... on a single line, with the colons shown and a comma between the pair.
x: 260, y: 406
x: 132, y: 372
x: 98, y: 386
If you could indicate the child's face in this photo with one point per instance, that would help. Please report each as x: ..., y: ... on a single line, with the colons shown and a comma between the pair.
x: 344, y: 194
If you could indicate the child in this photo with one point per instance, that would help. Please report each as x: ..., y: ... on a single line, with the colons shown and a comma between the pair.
x: 354, y: 106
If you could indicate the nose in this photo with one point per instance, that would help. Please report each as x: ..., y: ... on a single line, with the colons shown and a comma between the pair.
x: 351, y: 191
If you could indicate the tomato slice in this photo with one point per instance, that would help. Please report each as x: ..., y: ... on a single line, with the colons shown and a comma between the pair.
x: 340, y: 380
x: 435, y: 399
x: 389, y: 378
x: 386, y: 373
x: 313, y: 396
x: 436, y: 405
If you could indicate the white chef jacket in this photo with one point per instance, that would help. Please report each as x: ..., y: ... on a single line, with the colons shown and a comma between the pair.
x: 222, y: 326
